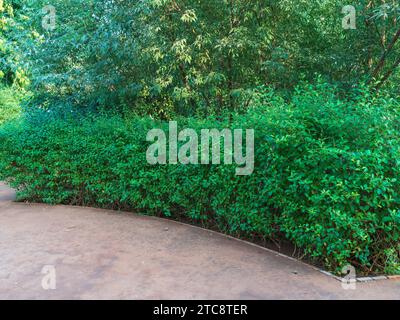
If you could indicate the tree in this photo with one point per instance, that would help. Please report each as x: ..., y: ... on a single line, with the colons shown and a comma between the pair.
x: 167, y: 57
x: 13, y: 34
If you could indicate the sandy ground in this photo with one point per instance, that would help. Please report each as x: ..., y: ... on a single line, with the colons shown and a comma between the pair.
x: 97, y: 254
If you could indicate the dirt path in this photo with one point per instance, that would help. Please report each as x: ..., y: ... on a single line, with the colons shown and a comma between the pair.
x: 98, y: 254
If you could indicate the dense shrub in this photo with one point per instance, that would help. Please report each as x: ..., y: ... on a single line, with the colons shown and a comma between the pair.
x: 326, y: 174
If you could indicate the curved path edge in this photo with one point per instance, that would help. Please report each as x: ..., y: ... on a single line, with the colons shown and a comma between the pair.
x: 101, y: 254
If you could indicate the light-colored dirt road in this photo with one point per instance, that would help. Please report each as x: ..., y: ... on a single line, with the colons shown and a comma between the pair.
x: 98, y: 254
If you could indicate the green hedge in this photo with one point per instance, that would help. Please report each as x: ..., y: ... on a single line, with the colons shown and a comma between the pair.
x: 326, y: 174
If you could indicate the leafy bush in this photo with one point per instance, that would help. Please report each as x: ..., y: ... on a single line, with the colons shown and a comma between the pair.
x: 326, y: 174
x: 9, y: 104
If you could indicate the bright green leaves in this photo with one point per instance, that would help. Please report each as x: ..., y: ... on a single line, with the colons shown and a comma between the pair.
x: 323, y: 179
x: 14, y: 39
x: 189, y: 16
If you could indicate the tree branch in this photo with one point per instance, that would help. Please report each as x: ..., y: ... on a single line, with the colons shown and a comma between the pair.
x: 388, y: 74
x: 382, y: 61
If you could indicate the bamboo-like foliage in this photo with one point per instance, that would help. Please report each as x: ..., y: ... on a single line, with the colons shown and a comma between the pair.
x: 167, y: 57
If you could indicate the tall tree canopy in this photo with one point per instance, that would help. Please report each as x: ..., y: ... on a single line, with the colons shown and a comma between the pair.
x: 201, y: 56
x: 15, y: 35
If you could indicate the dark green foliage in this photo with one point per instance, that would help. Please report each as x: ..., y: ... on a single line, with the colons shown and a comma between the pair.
x: 326, y: 174
x: 186, y: 57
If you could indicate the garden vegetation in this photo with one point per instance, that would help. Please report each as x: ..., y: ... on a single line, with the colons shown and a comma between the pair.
x: 322, y: 100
